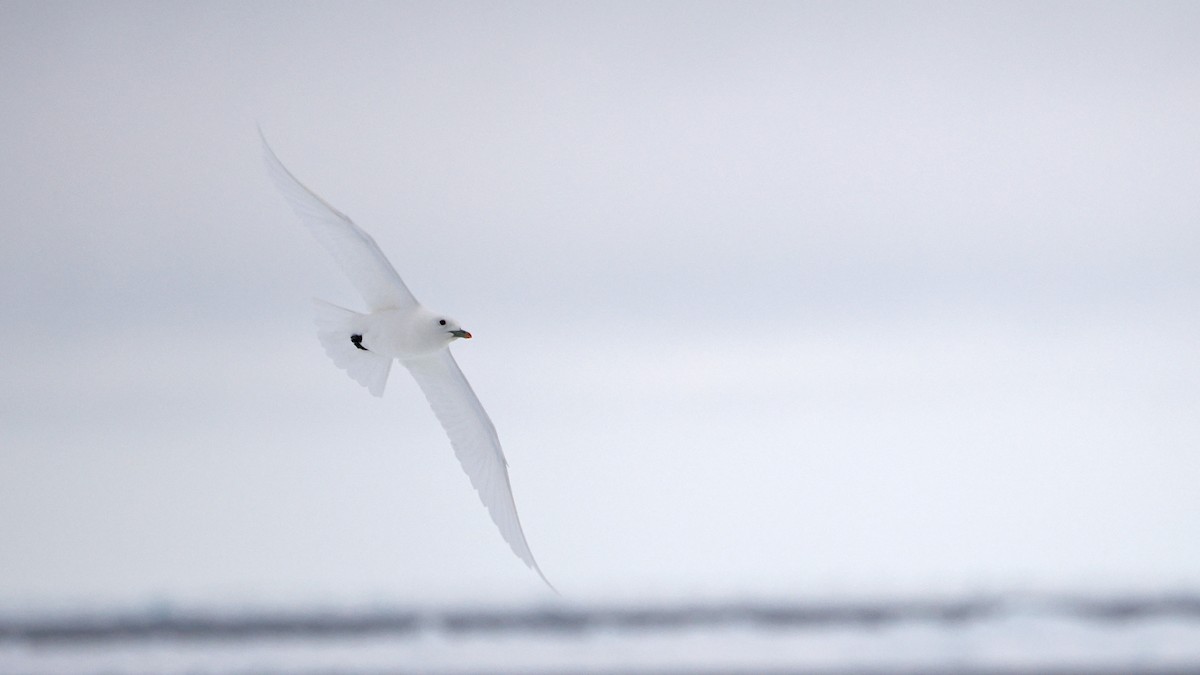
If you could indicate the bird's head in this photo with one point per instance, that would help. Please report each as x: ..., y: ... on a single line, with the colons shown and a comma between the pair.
x: 450, y: 329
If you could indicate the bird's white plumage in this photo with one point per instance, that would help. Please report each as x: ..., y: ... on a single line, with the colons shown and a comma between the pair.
x: 474, y: 441
x: 364, y: 367
x: 355, y: 250
x: 454, y: 403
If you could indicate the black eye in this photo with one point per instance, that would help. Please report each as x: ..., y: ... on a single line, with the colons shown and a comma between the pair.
x: 442, y: 322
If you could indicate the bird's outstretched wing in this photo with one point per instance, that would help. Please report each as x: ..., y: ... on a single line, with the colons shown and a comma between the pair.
x: 354, y: 249
x: 475, y: 443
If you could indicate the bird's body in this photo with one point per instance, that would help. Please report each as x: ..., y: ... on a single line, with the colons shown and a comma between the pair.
x: 398, y: 328
x: 395, y: 333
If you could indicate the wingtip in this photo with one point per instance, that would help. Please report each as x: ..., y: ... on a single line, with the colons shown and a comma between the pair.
x: 272, y: 158
x: 547, y: 581
x: 532, y: 564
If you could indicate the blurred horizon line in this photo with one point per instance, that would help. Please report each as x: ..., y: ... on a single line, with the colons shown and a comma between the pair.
x: 577, y: 618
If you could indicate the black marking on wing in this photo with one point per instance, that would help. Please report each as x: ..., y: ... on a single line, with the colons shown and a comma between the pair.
x: 357, y: 340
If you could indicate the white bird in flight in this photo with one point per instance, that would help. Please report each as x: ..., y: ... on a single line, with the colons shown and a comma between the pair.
x: 398, y: 327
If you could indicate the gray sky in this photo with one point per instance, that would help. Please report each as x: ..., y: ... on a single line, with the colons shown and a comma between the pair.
x: 768, y: 298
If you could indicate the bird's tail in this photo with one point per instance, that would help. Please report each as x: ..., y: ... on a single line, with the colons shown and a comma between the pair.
x: 337, y: 329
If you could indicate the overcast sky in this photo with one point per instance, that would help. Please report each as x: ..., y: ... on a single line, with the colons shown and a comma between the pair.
x: 788, y: 298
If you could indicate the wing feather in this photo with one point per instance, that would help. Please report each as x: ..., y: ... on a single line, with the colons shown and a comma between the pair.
x: 355, y: 251
x: 475, y: 443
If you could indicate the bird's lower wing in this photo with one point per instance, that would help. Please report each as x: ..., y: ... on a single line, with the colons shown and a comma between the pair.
x: 475, y: 443
x: 355, y: 251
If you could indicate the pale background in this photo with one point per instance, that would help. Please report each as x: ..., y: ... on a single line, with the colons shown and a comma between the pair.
x: 801, y: 299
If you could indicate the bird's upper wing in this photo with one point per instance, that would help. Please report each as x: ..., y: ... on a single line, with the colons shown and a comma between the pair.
x: 475, y: 443
x: 354, y: 249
